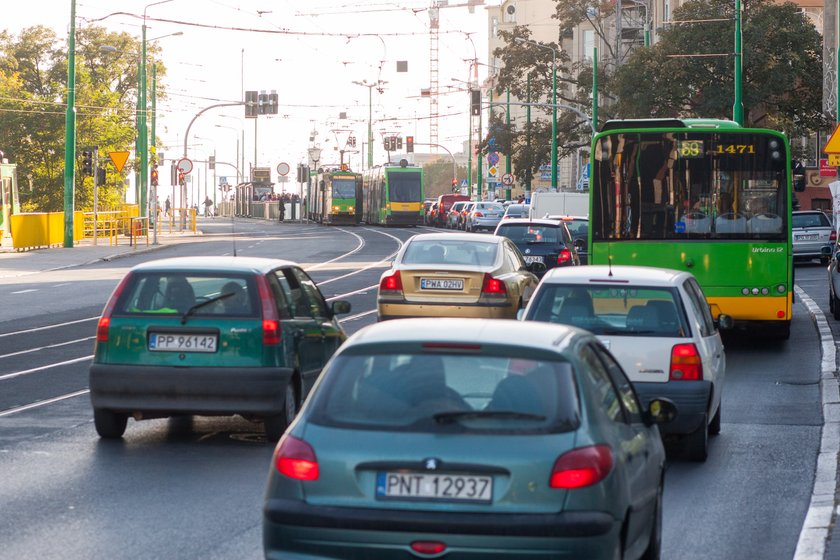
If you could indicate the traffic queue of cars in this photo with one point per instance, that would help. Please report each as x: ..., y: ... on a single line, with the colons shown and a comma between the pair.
x: 390, y: 441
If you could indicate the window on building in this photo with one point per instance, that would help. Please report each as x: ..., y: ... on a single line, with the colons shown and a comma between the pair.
x: 588, y: 45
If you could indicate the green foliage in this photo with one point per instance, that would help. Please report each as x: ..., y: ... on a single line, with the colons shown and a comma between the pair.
x: 437, y: 177
x: 33, y: 86
x: 782, y: 68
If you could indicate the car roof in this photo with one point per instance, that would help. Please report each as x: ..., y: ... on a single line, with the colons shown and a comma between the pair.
x: 253, y: 265
x: 480, y: 237
x: 541, y: 221
x: 527, y: 334
x: 616, y: 275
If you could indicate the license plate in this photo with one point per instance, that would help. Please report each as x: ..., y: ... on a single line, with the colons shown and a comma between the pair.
x: 441, y: 284
x: 162, y: 342
x: 434, y: 486
x: 808, y: 237
x: 532, y: 259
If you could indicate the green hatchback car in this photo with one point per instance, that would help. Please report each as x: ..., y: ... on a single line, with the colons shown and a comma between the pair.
x: 213, y: 336
x: 475, y: 439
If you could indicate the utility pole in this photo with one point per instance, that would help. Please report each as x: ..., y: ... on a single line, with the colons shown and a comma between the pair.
x: 70, y: 132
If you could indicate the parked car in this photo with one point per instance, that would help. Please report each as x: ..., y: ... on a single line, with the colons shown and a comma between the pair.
x: 813, y: 235
x: 657, y: 323
x: 427, y: 206
x: 547, y: 242
x: 453, y: 219
x: 464, y: 213
x: 455, y: 275
x: 834, y: 282
x: 516, y: 210
x: 431, y: 215
x: 477, y: 438
x: 484, y: 215
x: 211, y: 336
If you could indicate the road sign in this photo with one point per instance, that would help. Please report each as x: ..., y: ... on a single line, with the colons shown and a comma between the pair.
x: 283, y: 169
x: 507, y: 179
x: 833, y: 160
x: 119, y: 159
x: 185, y: 166
x: 493, y: 158
x: 828, y: 167
x: 463, y: 183
x: 833, y: 144
x: 492, y: 170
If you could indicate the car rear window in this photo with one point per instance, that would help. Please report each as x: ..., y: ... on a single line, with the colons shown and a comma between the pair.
x: 637, y: 311
x: 578, y: 227
x: 531, y: 234
x: 450, y: 252
x: 176, y: 293
x: 431, y: 392
x: 814, y: 219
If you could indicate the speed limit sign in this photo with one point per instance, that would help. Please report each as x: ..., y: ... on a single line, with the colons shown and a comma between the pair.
x: 507, y: 179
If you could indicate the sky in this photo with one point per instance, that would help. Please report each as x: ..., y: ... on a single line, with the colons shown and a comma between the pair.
x: 310, y: 52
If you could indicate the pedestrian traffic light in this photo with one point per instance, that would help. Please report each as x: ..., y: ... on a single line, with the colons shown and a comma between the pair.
x: 87, y: 162
x: 409, y: 144
x: 475, y: 102
x: 154, y: 176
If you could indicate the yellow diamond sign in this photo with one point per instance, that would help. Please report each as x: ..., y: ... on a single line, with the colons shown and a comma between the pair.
x: 834, y: 160
x: 119, y: 159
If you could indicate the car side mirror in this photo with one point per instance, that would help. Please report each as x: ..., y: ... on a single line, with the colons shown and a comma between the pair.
x: 725, y: 322
x: 340, y: 307
x: 660, y: 411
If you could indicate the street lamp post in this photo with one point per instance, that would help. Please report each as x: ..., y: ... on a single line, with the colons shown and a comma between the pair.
x: 553, y: 109
x: 70, y: 131
x: 314, y: 156
x: 364, y: 83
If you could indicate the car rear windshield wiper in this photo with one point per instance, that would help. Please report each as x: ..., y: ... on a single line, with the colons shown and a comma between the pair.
x: 197, y: 306
x: 451, y: 416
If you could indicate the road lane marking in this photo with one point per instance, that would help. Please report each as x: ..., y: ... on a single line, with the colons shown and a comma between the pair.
x: 10, y: 411
x: 56, y: 345
x: 36, y: 329
x: 42, y: 368
x: 24, y: 291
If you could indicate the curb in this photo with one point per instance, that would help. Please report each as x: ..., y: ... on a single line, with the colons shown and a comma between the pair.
x: 819, y: 520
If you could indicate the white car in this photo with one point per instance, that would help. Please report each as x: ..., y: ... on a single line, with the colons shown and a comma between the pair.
x: 657, y: 323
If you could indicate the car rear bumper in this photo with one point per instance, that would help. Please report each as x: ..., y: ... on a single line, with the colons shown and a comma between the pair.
x: 129, y: 388
x: 691, y: 397
x: 292, y: 529
x: 503, y: 310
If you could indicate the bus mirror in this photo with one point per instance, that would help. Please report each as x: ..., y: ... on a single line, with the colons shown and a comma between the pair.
x: 798, y: 174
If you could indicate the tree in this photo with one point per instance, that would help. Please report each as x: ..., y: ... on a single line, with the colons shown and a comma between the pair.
x: 782, y: 68
x: 33, y: 85
x: 437, y: 177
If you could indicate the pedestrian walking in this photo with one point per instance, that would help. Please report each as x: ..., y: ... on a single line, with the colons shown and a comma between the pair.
x: 167, y: 206
x: 282, y: 210
x: 207, y: 207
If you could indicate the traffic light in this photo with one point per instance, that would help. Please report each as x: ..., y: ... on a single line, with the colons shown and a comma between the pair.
x: 87, y: 162
x: 154, y: 176
x: 399, y: 142
x: 393, y: 143
x: 409, y: 144
x: 212, y: 162
x: 454, y: 185
x: 475, y: 102
x: 101, y: 176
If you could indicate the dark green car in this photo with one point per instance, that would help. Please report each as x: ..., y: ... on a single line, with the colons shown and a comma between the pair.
x: 211, y: 336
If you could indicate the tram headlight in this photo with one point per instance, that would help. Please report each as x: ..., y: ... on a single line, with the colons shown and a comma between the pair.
x: 745, y: 291
x: 755, y: 291
x: 765, y: 291
x: 781, y: 288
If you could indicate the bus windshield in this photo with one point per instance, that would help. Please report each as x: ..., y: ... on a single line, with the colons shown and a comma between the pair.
x: 344, y: 188
x: 405, y: 186
x: 681, y: 185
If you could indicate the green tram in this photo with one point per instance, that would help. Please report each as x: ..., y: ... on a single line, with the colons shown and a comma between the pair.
x: 706, y: 196
x: 335, y: 197
x: 9, y: 202
x: 394, y: 195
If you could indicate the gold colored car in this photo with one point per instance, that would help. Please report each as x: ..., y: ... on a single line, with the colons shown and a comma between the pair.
x: 456, y: 275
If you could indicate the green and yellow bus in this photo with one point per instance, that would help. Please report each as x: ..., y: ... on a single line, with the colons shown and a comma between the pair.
x: 336, y: 198
x: 706, y: 196
x: 393, y: 195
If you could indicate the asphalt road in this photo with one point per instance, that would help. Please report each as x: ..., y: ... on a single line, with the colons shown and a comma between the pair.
x: 176, y: 489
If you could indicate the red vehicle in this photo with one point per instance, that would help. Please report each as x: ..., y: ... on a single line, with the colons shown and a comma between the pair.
x: 445, y: 202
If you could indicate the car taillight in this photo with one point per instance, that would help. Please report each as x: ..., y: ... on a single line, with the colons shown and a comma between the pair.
x: 564, y: 257
x: 272, y: 334
x: 686, y: 364
x: 581, y: 467
x: 428, y: 547
x: 105, y: 320
x: 296, y: 459
x: 493, y: 286
x: 391, y: 285
x: 833, y: 236
x: 479, y: 215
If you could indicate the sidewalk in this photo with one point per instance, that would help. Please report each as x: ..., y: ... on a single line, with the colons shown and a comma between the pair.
x: 22, y: 263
